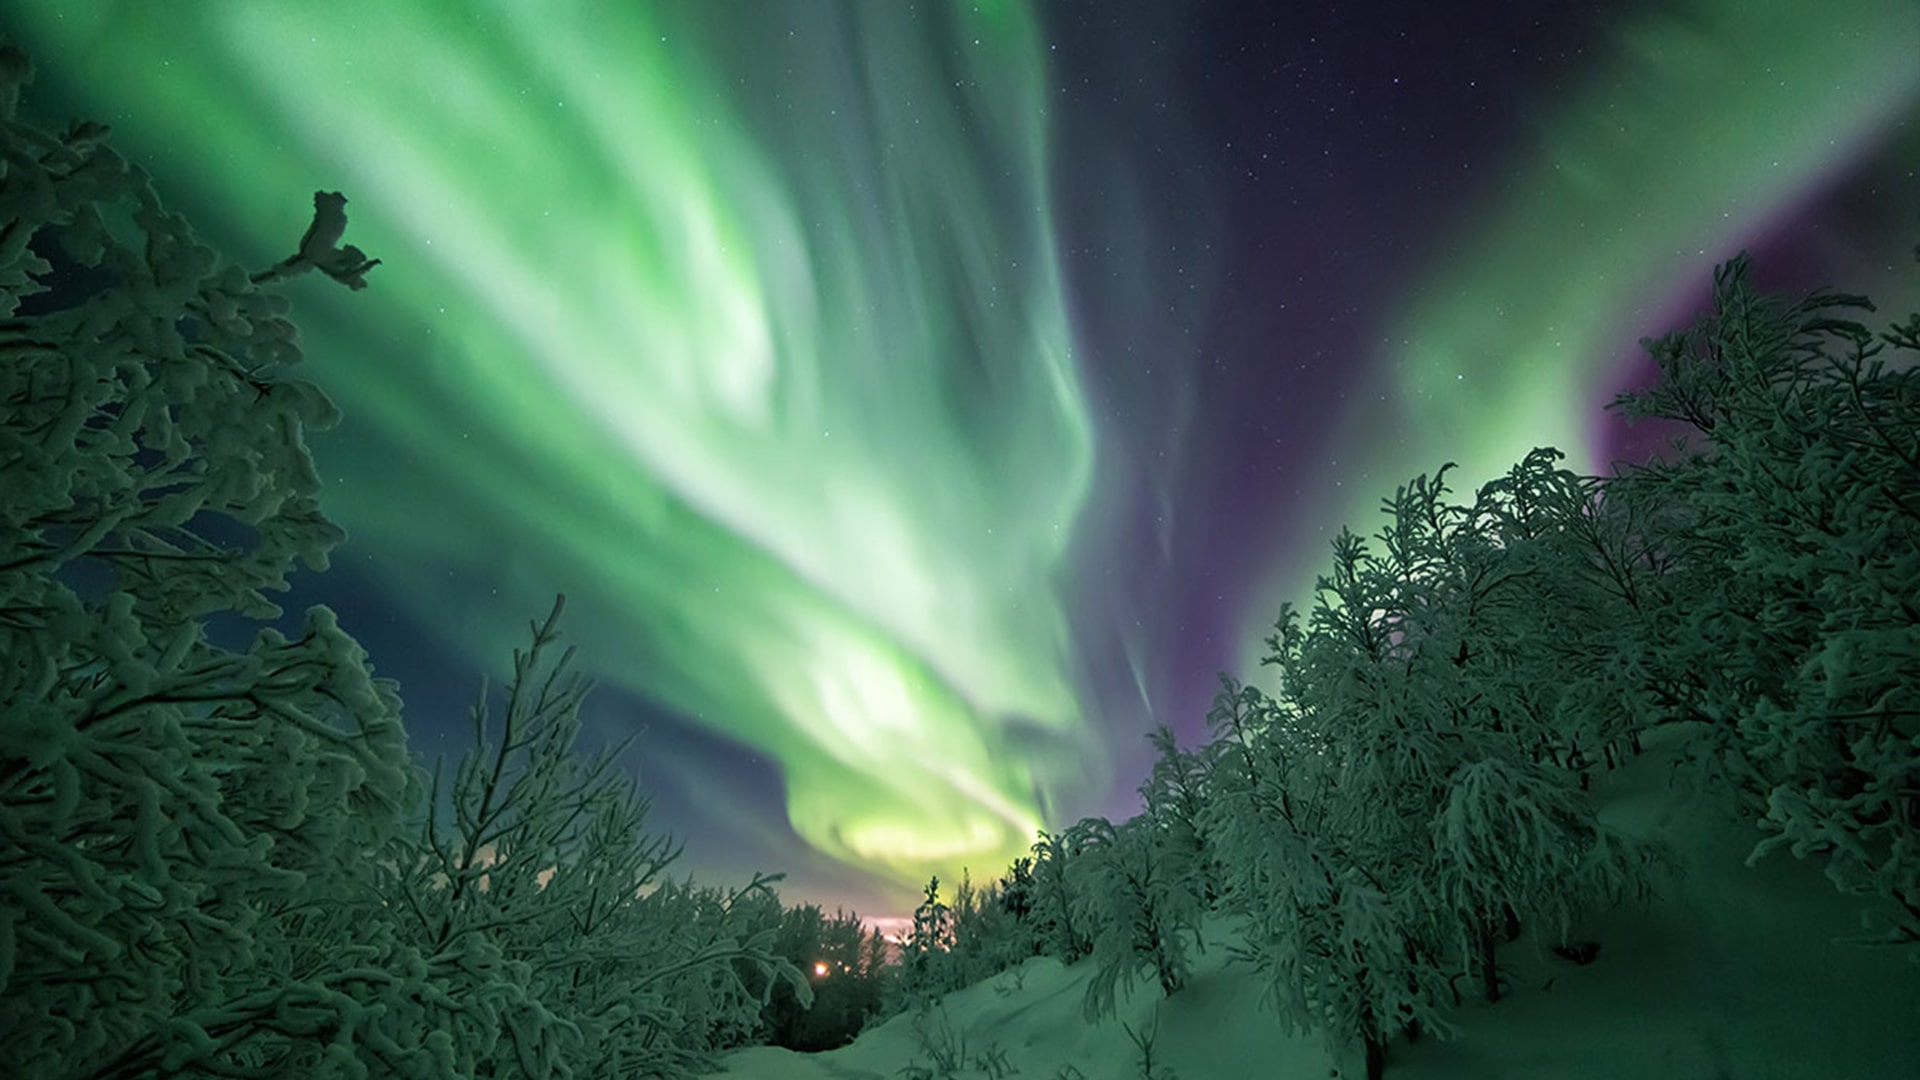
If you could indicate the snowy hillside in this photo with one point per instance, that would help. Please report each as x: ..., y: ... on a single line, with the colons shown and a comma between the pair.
x: 1731, y: 974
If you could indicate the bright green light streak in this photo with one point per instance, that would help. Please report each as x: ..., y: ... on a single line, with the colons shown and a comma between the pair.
x: 790, y: 394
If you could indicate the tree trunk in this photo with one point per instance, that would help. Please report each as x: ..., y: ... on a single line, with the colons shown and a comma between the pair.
x: 1376, y: 1057
x: 1489, y: 972
x: 1163, y: 965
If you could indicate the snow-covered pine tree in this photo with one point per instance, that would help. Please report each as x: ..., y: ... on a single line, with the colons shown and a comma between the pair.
x: 988, y: 937
x: 926, y: 963
x: 1016, y: 899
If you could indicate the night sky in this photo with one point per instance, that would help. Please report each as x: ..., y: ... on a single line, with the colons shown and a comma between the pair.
x: 918, y: 402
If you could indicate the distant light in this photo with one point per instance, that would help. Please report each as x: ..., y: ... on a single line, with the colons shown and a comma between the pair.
x: 819, y: 967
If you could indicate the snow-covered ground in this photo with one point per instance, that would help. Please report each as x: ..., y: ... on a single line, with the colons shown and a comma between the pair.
x: 1731, y: 973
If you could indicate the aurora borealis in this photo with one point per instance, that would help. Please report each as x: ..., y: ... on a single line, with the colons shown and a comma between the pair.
x: 918, y: 401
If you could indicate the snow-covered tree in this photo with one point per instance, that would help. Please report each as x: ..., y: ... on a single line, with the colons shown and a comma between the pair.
x: 1517, y: 843
x: 1504, y: 604
x: 844, y: 969
x: 1062, y: 932
x: 1173, y: 798
x: 218, y: 859
x: 954, y: 945
x: 988, y: 935
x: 1016, y: 899
x: 1584, y: 670
x: 1792, y: 520
x: 540, y: 911
x: 932, y: 923
x: 926, y: 963
x: 1344, y: 950
x: 1139, y: 894
x: 1403, y: 799
x: 177, y: 816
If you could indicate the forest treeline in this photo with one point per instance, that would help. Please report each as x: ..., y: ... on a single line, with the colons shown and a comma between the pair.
x: 1415, y: 793
x: 223, y: 860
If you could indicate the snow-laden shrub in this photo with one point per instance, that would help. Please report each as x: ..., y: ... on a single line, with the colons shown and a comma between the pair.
x: 1174, y: 798
x: 1138, y: 893
x: 1793, y: 522
x: 1517, y: 844
x: 1342, y: 942
x: 542, y: 915
x: 1062, y: 932
x: 1406, y: 795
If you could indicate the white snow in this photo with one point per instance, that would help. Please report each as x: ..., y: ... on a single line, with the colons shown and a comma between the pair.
x: 1731, y: 973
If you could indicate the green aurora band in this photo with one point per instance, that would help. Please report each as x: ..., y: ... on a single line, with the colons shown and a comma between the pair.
x: 752, y: 337
x: 1696, y: 124
x: 781, y: 384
